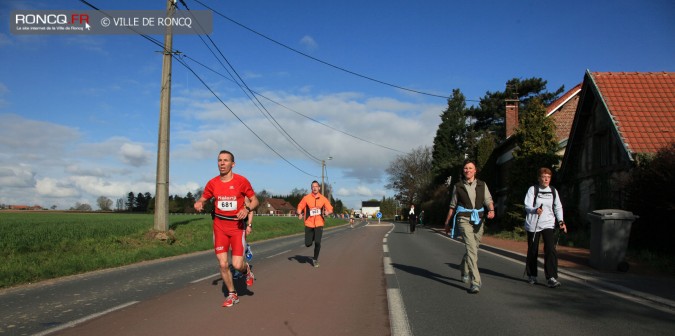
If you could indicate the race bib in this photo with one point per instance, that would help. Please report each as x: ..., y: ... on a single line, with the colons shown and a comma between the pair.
x: 314, y: 212
x: 227, y: 205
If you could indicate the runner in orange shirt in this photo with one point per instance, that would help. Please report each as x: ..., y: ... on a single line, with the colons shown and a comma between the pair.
x: 312, y: 209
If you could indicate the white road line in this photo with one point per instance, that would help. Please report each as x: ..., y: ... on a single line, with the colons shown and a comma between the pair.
x: 280, y: 253
x: 84, y: 319
x: 388, y: 269
x: 385, y: 248
x: 205, y: 278
x: 397, y: 315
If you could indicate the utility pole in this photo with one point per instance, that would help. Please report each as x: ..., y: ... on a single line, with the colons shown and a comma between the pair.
x: 162, y: 187
x: 323, y: 168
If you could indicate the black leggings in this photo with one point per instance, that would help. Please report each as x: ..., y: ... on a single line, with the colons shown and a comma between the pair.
x: 314, y: 234
x: 550, y: 255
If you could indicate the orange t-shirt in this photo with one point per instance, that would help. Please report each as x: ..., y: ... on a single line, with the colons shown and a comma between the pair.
x: 313, y: 207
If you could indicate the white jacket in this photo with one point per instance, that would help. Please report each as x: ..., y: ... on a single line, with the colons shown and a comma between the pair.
x: 547, y: 219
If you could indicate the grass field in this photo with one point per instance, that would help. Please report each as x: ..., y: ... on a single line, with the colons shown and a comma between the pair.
x: 42, y: 245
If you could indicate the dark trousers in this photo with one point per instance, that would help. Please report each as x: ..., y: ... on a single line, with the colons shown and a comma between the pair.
x: 314, y: 235
x: 412, y: 223
x: 550, y: 255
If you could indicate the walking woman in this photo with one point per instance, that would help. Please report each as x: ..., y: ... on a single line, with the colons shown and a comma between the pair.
x: 544, y: 210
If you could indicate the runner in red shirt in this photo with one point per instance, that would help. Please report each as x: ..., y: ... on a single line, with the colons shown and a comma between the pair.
x: 313, y: 208
x: 230, y: 191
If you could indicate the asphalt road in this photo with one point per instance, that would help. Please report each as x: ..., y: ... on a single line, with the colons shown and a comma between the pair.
x: 375, y: 280
x: 426, y: 266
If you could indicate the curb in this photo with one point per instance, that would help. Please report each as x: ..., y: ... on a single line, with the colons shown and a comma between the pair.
x: 587, y: 280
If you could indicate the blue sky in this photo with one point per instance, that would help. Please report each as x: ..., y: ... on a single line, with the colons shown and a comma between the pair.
x: 79, y: 113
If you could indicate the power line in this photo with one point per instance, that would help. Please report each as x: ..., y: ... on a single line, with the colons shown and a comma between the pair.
x: 174, y: 56
x: 296, y: 112
x: 321, y: 61
x: 246, y: 89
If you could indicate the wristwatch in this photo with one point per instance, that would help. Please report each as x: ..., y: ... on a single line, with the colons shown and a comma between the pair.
x: 247, y: 208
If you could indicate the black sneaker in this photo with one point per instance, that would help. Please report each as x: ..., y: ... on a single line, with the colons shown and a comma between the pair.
x: 532, y: 280
x: 552, y: 283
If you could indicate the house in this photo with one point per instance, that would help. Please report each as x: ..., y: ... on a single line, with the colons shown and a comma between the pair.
x: 276, y: 207
x: 561, y: 111
x: 370, y: 208
x: 619, y: 115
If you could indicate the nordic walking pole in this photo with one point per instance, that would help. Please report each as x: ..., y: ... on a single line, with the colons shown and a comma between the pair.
x: 534, y: 236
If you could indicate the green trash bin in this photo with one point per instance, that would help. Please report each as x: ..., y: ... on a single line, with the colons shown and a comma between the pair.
x: 610, y: 230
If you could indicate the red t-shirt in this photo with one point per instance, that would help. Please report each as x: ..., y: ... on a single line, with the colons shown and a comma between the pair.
x: 229, y: 196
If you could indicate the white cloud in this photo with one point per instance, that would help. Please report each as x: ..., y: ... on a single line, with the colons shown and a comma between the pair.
x: 17, y: 176
x: 134, y: 154
x: 308, y: 42
x: 49, y: 187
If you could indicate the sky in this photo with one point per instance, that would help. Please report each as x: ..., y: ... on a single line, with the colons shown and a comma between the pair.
x: 79, y: 114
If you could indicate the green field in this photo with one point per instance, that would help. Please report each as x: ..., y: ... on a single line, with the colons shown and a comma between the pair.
x: 37, y: 246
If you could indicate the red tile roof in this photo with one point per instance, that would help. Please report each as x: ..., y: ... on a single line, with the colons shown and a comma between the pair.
x: 562, y: 111
x: 280, y: 204
x: 642, y: 105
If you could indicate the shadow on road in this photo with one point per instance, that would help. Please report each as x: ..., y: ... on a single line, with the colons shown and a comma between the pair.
x: 301, y: 259
x: 239, y: 286
x: 431, y: 275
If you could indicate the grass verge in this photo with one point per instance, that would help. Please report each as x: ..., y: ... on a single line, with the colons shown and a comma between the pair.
x: 36, y: 246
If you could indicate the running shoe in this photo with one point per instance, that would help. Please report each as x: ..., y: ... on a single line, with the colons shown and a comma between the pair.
x: 465, y: 279
x: 474, y: 289
x: 249, y: 276
x: 315, y: 263
x: 231, y: 299
x: 553, y: 283
x: 532, y: 280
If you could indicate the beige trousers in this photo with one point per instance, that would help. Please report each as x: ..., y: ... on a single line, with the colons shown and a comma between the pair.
x: 472, y: 235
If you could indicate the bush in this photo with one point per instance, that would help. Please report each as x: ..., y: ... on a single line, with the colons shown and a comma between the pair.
x: 651, y: 195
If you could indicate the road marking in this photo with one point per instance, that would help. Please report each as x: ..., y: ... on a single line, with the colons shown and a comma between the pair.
x: 388, y: 269
x: 385, y: 248
x: 397, y: 316
x: 84, y: 319
x: 280, y: 253
x: 205, y: 278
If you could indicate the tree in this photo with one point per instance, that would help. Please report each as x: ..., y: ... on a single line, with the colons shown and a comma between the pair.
x: 410, y: 175
x: 536, y: 147
x: 263, y: 195
x: 648, y: 188
x: 81, y: 207
x: 131, y: 201
x: 104, y: 203
x: 450, y: 141
x: 491, y: 111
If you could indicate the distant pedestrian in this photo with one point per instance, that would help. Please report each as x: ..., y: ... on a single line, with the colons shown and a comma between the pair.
x: 470, y: 202
x: 230, y: 191
x: 411, y: 218
x: 544, y: 211
x: 312, y: 208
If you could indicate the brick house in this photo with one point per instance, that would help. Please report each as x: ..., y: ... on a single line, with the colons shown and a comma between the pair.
x: 561, y: 111
x: 619, y: 115
x: 276, y: 207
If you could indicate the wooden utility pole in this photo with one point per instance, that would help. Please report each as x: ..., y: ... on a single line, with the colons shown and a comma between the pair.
x: 162, y: 188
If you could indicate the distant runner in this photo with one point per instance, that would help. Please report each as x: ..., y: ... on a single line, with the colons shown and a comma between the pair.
x: 312, y: 208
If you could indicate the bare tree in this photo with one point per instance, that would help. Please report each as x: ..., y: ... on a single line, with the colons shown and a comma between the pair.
x: 104, y: 203
x: 410, y: 175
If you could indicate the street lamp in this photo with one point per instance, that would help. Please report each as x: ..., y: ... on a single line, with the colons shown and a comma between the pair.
x: 323, y: 168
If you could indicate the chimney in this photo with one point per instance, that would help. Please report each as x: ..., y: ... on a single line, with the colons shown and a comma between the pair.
x: 511, y: 116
